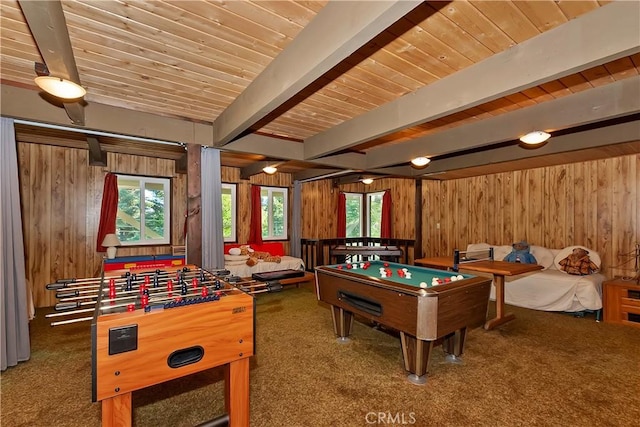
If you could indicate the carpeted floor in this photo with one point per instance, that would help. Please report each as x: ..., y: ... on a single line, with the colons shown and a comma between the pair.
x: 542, y: 369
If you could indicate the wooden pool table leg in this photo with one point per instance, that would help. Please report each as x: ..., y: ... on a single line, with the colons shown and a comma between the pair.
x: 416, y: 354
x: 501, y: 316
x: 453, y: 345
x: 342, y: 321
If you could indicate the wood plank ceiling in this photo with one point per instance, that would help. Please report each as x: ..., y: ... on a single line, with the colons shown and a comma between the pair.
x: 456, y: 81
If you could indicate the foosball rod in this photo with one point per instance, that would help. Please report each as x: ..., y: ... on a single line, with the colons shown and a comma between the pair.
x: 72, y: 295
x: 93, y: 282
x: 70, y: 303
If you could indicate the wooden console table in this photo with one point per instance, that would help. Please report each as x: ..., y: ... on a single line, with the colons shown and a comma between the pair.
x: 621, y: 301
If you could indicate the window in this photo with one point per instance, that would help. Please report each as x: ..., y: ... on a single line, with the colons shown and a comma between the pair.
x: 274, y: 203
x: 144, y: 210
x: 354, y: 209
x: 374, y: 214
x: 229, y: 212
x: 364, y: 214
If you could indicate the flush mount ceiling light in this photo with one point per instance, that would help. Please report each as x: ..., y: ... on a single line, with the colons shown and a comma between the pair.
x: 367, y: 181
x: 269, y: 170
x: 420, y: 161
x: 60, y: 88
x: 535, y: 137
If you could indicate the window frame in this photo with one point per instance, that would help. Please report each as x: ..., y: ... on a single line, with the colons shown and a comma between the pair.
x: 234, y: 212
x: 167, y: 186
x: 365, y: 210
x: 270, y: 190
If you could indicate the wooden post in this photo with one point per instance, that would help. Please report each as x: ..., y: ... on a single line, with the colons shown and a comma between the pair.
x: 194, y: 217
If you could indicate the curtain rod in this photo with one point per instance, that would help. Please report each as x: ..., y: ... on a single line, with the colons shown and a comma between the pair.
x: 95, y: 132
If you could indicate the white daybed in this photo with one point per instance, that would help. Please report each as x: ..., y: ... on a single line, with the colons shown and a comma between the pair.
x: 550, y: 289
x: 237, y: 265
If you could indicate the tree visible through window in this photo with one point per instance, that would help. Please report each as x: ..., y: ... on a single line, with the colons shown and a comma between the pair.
x: 144, y: 210
x: 229, y: 212
x: 274, y: 201
x: 364, y: 214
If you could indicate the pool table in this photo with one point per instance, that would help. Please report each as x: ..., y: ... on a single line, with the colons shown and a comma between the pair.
x: 423, y: 313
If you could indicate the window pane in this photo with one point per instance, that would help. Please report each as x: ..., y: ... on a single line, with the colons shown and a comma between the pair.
x: 128, y: 217
x: 144, y: 210
x: 354, y: 215
x: 277, y: 203
x: 226, y: 213
x: 274, y: 212
x: 375, y: 214
x: 154, y: 211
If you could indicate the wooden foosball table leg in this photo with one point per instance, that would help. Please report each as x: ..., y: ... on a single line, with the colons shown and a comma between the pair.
x: 237, y: 392
x: 116, y: 411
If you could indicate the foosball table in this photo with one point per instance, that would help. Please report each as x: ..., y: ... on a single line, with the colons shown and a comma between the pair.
x: 149, y: 327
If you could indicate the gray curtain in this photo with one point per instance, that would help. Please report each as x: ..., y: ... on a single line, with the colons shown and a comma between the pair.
x: 211, y: 187
x: 13, y: 289
x: 296, y: 220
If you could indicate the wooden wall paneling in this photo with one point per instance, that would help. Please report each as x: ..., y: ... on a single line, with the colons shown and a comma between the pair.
x: 58, y: 218
x: 624, y: 231
x: 605, y: 208
x: 39, y: 243
x: 77, y: 164
x: 556, y: 199
x: 507, y: 189
x: 477, y: 219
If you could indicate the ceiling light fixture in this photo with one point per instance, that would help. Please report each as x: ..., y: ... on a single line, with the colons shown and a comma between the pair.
x: 367, y: 181
x: 270, y: 170
x: 536, y: 137
x: 60, y: 88
x: 420, y: 161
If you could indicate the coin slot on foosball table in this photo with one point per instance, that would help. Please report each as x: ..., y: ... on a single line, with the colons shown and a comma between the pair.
x: 361, y: 303
x: 123, y: 339
x: 185, y: 356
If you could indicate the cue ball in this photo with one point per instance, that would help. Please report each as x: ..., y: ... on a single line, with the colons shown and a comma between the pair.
x: 424, y: 285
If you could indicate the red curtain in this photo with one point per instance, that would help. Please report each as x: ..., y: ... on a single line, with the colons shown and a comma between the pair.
x: 342, y: 215
x: 255, y: 229
x: 108, y: 210
x: 385, y: 221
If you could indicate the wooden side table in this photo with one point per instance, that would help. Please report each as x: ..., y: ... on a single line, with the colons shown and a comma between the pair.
x: 621, y: 301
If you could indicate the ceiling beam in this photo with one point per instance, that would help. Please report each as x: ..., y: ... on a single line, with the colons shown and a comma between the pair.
x: 316, y: 174
x: 615, y: 134
x: 49, y: 29
x: 603, y: 35
x: 256, y: 168
x: 337, y: 31
x: 97, y: 157
x: 277, y: 148
x: 614, y: 100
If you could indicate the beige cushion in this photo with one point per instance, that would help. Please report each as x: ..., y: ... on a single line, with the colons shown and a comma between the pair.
x: 593, y: 256
x: 543, y: 255
x: 499, y: 252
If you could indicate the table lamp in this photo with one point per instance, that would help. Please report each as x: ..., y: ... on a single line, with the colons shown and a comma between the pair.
x: 110, y: 242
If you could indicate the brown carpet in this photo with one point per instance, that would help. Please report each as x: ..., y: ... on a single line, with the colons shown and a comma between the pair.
x: 542, y: 369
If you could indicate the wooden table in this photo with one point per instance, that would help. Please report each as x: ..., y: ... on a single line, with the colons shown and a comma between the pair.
x: 499, y: 269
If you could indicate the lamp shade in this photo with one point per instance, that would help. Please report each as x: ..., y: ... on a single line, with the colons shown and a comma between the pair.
x: 270, y: 170
x: 420, y: 161
x: 60, y: 88
x: 536, y: 137
x: 110, y: 240
x: 367, y: 181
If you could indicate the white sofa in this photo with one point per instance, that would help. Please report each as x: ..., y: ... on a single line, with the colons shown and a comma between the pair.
x: 550, y: 289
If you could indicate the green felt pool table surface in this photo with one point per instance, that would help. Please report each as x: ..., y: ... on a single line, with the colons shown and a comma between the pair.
x: 418, y: 274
